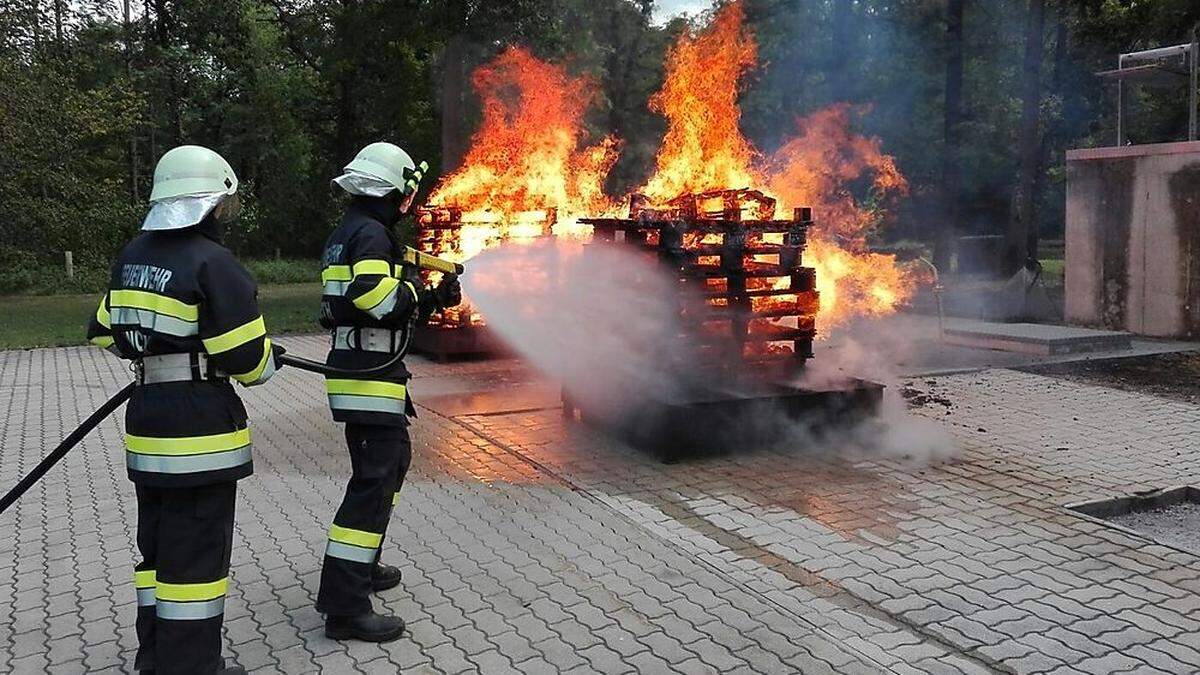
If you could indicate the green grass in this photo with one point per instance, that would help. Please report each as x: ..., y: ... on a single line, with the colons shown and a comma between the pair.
x: 1054, y: 268
x: 60, y: 320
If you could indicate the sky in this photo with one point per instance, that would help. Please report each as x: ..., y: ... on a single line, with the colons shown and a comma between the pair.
x: 664, y: 10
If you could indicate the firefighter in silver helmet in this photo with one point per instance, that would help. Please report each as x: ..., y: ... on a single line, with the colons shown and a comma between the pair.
x: 184, y: 310
x: 372, y: 301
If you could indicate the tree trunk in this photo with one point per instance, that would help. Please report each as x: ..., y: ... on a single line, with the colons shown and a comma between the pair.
x: 58, y: 22
x: 1053, y: 136
x: 164, y: 29
x: 948, y: 228
x: 454, y: 84
x: 1023, y: 227
x: 133, y: 147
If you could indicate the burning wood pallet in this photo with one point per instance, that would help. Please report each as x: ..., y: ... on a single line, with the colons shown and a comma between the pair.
x: 747, y: 304
x: 747, y: 308
x: 460, y: 332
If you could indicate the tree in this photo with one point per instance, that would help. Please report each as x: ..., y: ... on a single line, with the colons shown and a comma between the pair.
x: 947, y: 229
x: 1022, y: 235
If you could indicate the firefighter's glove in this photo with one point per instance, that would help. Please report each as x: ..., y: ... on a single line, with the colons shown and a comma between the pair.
x: 449, y: 292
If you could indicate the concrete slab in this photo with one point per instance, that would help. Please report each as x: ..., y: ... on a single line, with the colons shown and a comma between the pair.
x: 1032, y: 338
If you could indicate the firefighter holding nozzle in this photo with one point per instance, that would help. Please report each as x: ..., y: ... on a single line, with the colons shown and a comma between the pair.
x: 185, y: 311
x: 373, y: 298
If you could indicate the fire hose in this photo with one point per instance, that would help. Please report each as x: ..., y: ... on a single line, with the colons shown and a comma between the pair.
x: 411, y: 256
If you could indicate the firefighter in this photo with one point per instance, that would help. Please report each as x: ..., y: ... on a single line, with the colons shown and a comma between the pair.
x: 371, y: 303
x: 184, y: 310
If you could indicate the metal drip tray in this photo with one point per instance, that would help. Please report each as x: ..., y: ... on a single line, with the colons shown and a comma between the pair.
x: 1170, y: 516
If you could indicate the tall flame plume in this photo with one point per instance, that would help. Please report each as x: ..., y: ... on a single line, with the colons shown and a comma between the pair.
x: 529, y: 163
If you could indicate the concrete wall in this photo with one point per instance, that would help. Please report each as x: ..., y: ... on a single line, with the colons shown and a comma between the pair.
x: 1133, y: 239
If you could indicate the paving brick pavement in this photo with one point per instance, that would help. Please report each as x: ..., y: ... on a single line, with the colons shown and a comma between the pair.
x: 529, y: 544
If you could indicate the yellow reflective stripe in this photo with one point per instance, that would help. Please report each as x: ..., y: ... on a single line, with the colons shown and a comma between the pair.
x: 381, y: 267
x: 365, y: 388
x: 395, y: 498
x: 192, y: 445
x: 413, y: 289
x: 346, y: 535
x: 236, y: 337
x: 154, y: 302
x: 191, y: 592
x: 253, y: 375
x: 102, y: 315
x: 336, y: 273
x: 144, y: 579
x: 102, y: 341
x: 376, y: 295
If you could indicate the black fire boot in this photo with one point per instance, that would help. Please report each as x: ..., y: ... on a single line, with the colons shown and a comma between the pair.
x: 384, y: 577
x: 370, y: 627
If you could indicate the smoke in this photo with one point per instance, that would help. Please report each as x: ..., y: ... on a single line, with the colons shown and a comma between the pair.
x: 598, y: 319
x: 864, y: 350
x: 601, y: 320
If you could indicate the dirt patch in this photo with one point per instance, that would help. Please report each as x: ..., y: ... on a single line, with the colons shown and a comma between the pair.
x: 1174, y: 376
x: 916, y: 398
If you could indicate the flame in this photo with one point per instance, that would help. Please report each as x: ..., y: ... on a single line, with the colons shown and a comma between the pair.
x: 704, y: 149
x: 527, y: 171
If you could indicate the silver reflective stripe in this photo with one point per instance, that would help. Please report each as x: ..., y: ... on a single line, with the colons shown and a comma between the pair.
x: 159, y: 323
x: 336, y: 287
x: 189, y: 611
x: 267, y: 372
x: 365, y: 339
x: 336, y: 549
x: 145, y: 597
x: 212, y: 461
x: 366, y: 403
x: 387, y: 304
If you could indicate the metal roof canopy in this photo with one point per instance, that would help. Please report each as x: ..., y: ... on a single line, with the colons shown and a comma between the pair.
x: 1162, y: 67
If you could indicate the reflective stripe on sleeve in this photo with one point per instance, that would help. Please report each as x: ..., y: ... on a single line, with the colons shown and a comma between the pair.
x: 237, y: 337
x: 381, y: 267
x: 379, y: 300
x: 102, y: 341
x: 102, y: 316
x: 263, y: 371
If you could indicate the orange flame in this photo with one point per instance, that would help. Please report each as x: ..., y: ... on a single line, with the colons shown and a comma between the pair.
x: 527, y: 168
x: 704, y: 149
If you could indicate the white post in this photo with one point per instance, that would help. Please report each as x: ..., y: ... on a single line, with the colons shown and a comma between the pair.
x: 70, y: 265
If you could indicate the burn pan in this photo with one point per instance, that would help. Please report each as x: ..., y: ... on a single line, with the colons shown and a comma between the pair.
x: 1168, y: 516
x: 714, y: 421
x: 450, y: 343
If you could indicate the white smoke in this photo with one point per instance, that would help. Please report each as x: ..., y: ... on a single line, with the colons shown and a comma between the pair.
x: 601, y: 320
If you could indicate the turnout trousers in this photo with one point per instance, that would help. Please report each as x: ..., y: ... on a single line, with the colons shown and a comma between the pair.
x: 185, y: 536
x: 379, y: 458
